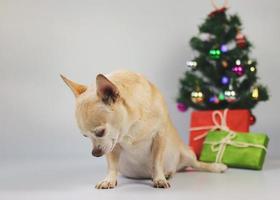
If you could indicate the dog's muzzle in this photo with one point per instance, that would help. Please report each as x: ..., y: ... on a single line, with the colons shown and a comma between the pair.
x: 97, y: 152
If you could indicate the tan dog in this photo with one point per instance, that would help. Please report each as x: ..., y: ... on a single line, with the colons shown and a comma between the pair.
x: 126, y: 118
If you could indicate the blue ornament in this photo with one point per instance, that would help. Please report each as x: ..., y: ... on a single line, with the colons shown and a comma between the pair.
x: 224, y: 48
x: 225, y: 80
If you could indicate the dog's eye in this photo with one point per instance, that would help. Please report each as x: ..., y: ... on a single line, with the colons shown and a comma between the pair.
x: 85, y: 135
x: 100, y: 133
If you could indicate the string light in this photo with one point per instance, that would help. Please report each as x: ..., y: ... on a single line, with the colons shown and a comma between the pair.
x: 238, y: 62
x: 249, y: 62
x: 192, y: 64
x: 252, y: 69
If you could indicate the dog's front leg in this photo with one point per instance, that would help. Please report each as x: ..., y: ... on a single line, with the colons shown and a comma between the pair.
x: 158, y: 147
x: 110, y: 181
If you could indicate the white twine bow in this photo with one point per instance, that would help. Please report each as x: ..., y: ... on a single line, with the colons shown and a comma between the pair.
x: 217, y: 126
x: 220, y: 146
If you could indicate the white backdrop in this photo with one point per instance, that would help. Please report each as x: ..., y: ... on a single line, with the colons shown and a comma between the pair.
x: 41, y: 39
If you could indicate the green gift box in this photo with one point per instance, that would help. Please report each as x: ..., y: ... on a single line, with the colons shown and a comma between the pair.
x: 235, y: 150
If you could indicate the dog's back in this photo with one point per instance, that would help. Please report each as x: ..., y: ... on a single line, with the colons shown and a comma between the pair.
x: 142, y: 98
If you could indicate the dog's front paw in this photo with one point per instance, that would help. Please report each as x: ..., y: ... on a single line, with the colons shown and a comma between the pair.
x: 161, y: 183
x: 105, y: 184
x: 219, y: 167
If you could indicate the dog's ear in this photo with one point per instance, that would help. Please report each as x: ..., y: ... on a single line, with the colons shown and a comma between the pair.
x: 76, y: 88
x: 106, y: 90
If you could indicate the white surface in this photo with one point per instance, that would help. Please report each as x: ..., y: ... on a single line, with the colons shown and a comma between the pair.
x: 40, y: 39
x: 75, y: 179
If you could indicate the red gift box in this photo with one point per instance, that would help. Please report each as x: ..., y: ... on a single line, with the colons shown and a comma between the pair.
x: 204, y: 121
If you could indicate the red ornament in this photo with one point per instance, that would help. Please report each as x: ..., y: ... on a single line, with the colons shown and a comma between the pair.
x: 240, y: 40
x: 252, y: 119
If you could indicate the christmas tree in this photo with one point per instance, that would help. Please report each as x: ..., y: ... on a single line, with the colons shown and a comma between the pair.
x: 222, y: 75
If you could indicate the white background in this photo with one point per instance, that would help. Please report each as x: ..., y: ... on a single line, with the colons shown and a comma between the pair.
x: 41, y: 39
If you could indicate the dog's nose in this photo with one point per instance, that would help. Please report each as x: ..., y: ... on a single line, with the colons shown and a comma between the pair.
x: 97, y: 152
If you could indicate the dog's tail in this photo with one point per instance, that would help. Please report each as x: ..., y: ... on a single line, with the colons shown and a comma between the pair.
x: 189, y: 159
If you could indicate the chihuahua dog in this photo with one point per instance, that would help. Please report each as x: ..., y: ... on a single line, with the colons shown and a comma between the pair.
x: 126, y: 118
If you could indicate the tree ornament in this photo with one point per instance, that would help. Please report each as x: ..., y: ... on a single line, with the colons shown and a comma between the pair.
x: 238, y: 69
x: 215, y: 53
x: 225, y: 80
x: 192, y: 64
x: 221, y: 96
x: 224, y: 63
x: 214, y: 99
x: 182, y: 107
x: 230, y: 94
x: 252, y: 119
x: 240, y: 40
x: 197, y: 97
x: 255, y: 93
x: 224, y: 48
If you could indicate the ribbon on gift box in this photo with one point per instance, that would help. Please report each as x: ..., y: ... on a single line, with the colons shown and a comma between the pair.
x: 220, y: 146
x: 217, y: 126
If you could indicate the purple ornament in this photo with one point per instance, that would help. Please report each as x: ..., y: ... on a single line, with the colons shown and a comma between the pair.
x: 182, y: 107
x: 224, y: 48
x: 238, y: 69
x: 214, y: 100
x: 225, y: 80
